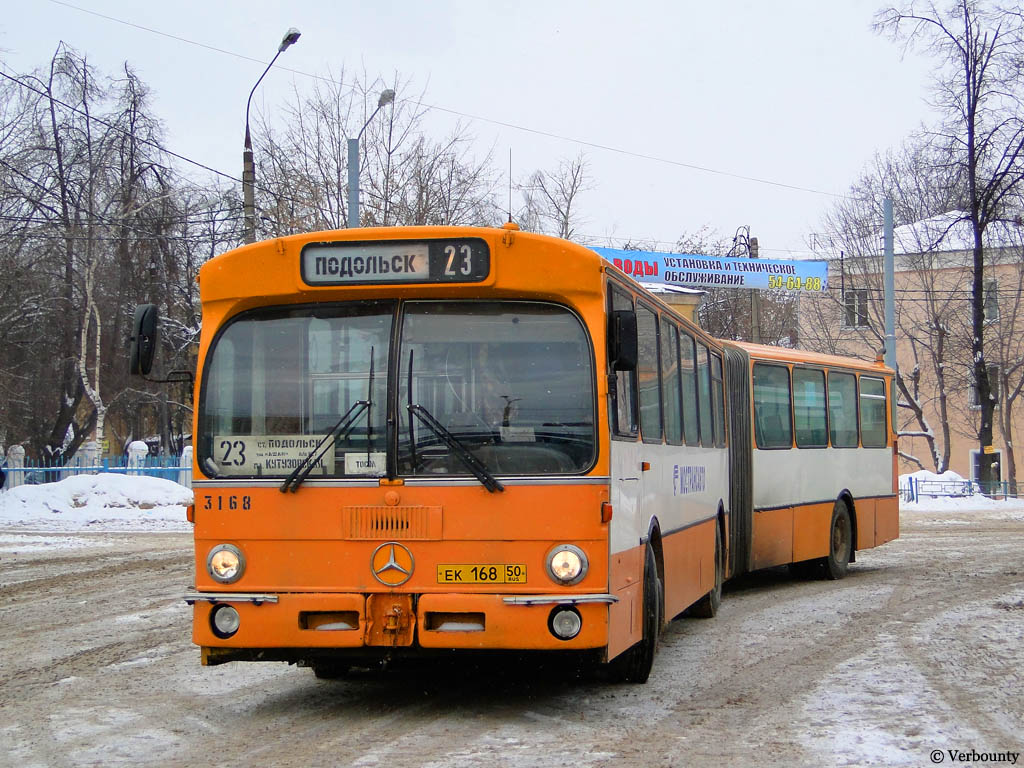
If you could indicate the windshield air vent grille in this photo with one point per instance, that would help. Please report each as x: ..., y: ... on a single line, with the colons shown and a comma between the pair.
x: 387, y: 522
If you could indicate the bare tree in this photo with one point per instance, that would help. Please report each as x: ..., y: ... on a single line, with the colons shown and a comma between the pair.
x: 408, y: 178
x: 726, y: 312
x: 550, y: 198
x: 88, y: 197
x: 850, y: 319
x: 977, y: 87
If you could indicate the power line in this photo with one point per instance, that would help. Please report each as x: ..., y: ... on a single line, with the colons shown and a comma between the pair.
x: 481, y: 118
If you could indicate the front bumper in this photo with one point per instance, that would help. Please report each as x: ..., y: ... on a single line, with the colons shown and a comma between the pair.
x: 396, y: 620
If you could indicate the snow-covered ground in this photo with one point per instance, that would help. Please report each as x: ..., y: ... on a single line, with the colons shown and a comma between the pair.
x: 101, y: 503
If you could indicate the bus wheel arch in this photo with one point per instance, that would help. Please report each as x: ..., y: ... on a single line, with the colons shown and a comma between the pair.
x: 707, y: 606
x: 654, y: 542
x: 634, y: 665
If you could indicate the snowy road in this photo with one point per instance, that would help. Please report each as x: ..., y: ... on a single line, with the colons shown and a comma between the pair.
x: 921, y: 648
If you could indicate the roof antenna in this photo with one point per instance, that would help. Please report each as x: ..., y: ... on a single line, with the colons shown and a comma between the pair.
x: 510, y: 184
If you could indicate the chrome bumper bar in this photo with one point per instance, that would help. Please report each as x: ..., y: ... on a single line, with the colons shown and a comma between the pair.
x: 559, y: 599
x: 229, y: 597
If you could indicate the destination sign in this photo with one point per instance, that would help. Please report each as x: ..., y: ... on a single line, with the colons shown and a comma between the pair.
x: 466, y: 260
x: 268, y: 454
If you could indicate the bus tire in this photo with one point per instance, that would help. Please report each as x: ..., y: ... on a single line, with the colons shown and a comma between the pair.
x: 330, y: 671
x: 840, y: 542
x: 634, y: 666
x: 707, y: 606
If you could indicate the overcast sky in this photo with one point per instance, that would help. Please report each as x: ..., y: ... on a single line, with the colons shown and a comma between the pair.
x: 798, y: 92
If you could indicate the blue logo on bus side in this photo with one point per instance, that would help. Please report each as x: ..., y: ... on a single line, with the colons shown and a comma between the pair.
x: 688, y: 479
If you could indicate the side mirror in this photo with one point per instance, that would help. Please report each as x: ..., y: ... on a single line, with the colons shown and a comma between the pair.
x: 622, y: 340
x: 143, y: 341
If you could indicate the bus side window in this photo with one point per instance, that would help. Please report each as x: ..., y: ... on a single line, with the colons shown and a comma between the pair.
x: 872, y: 412
x: 718, y: 399
x: 809, y: 408
x: 687, y: 360
x: 648, y: 375
x: 707, y: 432
x: 772, y: 410
x: 842, y: 409
x: 670, y: 374
x: 623, y: 394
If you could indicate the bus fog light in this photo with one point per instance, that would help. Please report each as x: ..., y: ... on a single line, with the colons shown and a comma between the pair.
x: 565, y: 623
x: 567, y: 564
x: 225, y: 563
x: 225, y: 621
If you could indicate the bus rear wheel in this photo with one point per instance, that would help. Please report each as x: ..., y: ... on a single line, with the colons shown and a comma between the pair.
x: 840, y: 542
x: 707, y: 606
x: 634, y: 666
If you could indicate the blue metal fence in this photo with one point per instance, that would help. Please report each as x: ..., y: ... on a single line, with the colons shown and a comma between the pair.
x: 914, y: 489
x: 172, y: 468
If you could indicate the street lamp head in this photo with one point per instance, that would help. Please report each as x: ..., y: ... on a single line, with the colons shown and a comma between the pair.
x: 386, y: 97
x: 290, y: 38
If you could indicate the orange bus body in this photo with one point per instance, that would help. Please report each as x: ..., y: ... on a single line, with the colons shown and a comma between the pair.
x: 308, y: 592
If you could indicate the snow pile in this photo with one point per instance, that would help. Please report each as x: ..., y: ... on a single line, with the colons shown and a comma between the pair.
x: 103, y: 502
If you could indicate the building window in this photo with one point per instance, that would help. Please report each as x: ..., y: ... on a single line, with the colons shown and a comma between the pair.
x: 991, y: 307
x: 855, y: 308
x: 993, y: 384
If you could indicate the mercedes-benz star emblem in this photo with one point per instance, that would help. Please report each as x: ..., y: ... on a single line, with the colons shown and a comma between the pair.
x: 392, y: 564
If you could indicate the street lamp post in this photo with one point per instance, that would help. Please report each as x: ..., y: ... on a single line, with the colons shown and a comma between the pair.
x: 386, y: 97
x: 248, y: 167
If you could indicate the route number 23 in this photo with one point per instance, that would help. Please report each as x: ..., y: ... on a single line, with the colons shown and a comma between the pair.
x: 459, y: 258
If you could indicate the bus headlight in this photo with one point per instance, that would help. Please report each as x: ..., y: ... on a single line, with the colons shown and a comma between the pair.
x: 567, y: 564
x: 225, y: 621
x: 565, y: 622
x: 225, y: 563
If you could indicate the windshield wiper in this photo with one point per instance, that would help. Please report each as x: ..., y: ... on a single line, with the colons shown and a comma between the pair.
x: 345, y: 425
x: 473, y: 464
x: 342, y: 428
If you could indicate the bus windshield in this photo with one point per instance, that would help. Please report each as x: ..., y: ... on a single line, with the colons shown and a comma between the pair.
x: 511, y: 382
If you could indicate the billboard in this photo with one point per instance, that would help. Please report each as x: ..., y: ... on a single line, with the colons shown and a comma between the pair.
x: 696, y: 271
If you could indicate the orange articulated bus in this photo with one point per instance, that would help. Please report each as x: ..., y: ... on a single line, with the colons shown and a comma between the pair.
x: 421, y: 440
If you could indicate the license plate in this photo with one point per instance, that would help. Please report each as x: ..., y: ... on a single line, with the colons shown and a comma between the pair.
x: 482, y: 573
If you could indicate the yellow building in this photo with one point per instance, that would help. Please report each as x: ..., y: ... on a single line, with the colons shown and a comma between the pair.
x: 939, y: 413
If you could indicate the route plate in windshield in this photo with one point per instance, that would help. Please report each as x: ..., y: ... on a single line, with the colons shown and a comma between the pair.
x: 482, y: 573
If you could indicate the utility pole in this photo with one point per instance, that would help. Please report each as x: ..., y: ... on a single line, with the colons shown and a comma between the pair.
x: 755, y: 298
x: 890, y: 279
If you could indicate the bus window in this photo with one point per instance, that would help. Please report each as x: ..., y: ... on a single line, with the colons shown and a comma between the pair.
x: 670, y: 373
x: 624, y: 393
x: 647, y: 374
x: 772, y: 420
x: 809, y: 408
x: 718, y: 400
x: 842, y: 409
x: 872, y: 412
x: 707, y: 434
x: 687, y: 359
